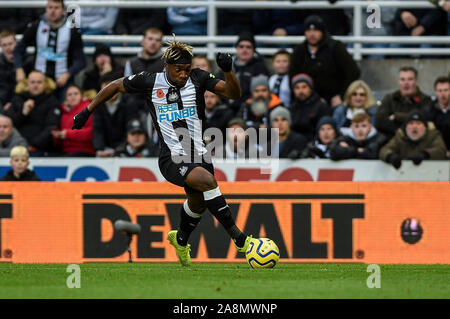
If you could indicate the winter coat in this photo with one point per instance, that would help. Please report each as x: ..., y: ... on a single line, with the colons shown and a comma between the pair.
x: 402, y: 145
x: 139, y: 63
x: 76, y: 141
x: 332, y: 68
x: 7, y: 80
x: 371, y: 146
x: 441, y: 120
x: 343, y: 115
x: 306, y: 114
x: 36, y: 126
x: 219, y: 117
x: 28, y: 175
x: 15, y: 139
x: 394, y: 103
x: 293, y: 146
x: 110, y: 129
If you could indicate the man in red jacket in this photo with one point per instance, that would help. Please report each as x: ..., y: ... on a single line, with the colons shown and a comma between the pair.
x: 74, y: 142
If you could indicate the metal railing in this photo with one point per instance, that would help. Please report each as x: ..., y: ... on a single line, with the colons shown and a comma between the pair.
x: 211, y: 40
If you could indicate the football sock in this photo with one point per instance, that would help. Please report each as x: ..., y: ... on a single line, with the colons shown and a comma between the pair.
x: 189, y: 220
x: 221, y: 211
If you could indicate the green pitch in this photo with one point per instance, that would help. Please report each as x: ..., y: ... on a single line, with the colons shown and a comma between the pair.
x: 218, y: 280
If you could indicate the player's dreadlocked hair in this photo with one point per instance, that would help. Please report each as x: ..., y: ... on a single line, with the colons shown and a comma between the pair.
x: 178, y: 52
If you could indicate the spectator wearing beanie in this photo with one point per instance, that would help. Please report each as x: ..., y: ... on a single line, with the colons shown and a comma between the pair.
x: 104, y: 63
x: 255, y: 111
x: 291, y: 144
x: 307, y: 107
x: 414, y: 141
x: 74, y: 142
x: 326, y: 135
x: 247, y: 64
x: 326, y: 60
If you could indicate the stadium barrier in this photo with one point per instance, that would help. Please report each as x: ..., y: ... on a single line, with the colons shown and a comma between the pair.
x: 212, y: 39
x: 146, y: 169
x: 377, y: 222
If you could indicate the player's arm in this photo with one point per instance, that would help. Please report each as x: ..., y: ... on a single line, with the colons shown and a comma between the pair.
x: 104, y: 95
x: 230, y: 88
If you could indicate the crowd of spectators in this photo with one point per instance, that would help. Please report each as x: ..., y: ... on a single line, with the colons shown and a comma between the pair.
x: 314, y: 96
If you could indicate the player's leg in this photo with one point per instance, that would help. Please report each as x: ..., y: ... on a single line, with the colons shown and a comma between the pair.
x: 203, y: 181
x: 190, y: 213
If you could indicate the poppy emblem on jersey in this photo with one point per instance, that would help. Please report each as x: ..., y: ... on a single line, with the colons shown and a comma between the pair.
x: 160, y: 93
x: 172, y: 96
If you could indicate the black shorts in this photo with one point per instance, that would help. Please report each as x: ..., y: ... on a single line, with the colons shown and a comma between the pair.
x: 176, y: 173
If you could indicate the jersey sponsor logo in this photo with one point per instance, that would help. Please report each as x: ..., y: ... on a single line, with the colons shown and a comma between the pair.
x: 160, y: 93
x: 171, y: 113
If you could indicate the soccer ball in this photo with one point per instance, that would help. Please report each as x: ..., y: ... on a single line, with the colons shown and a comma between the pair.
x: 262, y: 253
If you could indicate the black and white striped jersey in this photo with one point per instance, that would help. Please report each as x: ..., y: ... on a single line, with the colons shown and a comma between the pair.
x: 177, y: 113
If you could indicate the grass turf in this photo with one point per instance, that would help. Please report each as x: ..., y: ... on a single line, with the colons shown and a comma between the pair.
x: 219, y: 280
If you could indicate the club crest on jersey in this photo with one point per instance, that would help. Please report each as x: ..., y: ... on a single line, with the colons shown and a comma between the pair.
x: 183, y: 170
x: 172, y: 96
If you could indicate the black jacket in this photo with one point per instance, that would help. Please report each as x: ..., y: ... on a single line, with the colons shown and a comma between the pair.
x: 28, y: 175
x: 91, y: 79
x: 306, y: 114
x: 110, y: 130
x: 245, y: 73
x: 221, y: 115
x: 441, y: 120
x: 149, y: 149
x: 16, y: 19
x: 7, y: 80
x: 371, y: 147
x: 293, y: 146
x: 332, y: 68
x: 433, y: 20
x: 36, y: 126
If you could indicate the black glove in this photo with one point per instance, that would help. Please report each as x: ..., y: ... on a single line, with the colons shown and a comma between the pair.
x: 224, y: 61
x: 80, y: 119
x: 418, y: 158
x: 395, y: 160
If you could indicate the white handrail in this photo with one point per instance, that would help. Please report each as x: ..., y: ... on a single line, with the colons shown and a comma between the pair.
x: 211, y: 40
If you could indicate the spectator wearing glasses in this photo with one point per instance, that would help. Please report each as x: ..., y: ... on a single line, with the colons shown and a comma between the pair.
x: 358, y: 98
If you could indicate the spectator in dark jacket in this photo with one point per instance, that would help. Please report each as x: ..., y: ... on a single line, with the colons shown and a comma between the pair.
x: 104, y: 62
x: 417, y: 22
x: 149, y: 59
x: 326, y: 60
x: 136, y: 21
x: 59, y: 47
x: 74, y: 142
x: 325, y: 139
x: 34, y: 114
x: 256, y: 110
x: 9, y: 137
x: 20, y: 159
x: 307, y: 107
x: 291, y: 144
x: 17, y: 19
x: 247, y: 65
x: 396, y: 106
x: 439, y: 112
x: 362, y: 142
x: 415, y: 141
x: 137, y: 143
x: 110, y: 120
x: 7, y: 72
x: 217, y: 114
